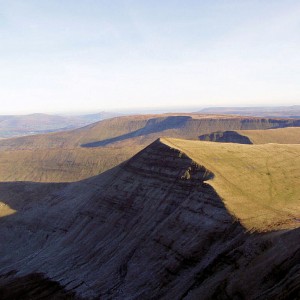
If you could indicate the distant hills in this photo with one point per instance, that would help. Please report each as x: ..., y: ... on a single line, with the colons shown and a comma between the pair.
x: 22, y: 125
x: 137, y: 207
x: 84, y: 152
x: 276, y: 111
x: 179, y: 220
x: 32, y: 124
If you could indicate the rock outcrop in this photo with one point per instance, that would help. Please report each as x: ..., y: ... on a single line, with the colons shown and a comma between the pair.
x: 151, y: 228
x: 225, y: 137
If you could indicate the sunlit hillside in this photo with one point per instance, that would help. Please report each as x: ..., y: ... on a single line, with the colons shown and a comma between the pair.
x: 289, y: 135
x: 258, y: 183
x: 85, y: 152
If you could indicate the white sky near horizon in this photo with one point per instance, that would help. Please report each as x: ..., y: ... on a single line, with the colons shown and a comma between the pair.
x: 77, y: 56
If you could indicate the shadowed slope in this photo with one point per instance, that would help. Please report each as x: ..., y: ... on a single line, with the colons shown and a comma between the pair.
x: 149, y: 127
x: 150, y: 228
x: 152, y: 126
x: 290, y: 135
x: 59, y: 157
x: 259, y: 183
x: 226, y: 137
x: 32, y: 286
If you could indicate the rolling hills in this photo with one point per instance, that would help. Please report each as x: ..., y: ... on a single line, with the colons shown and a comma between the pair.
x: 162, y: 225
x: 77, y: 154
x: 144, y: 129
x: 22, y: 125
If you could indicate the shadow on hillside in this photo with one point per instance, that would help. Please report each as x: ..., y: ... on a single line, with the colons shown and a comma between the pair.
x: 152, y: 126
x: 226, y: 137
x: 193, y: 211
x: 36, y: 205
x: 32, y: 286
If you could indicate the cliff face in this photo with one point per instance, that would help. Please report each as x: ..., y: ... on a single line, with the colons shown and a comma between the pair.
x: 79, y: 154
x: 225, y: 137
x: 150, y: 228
x: 144, y: 129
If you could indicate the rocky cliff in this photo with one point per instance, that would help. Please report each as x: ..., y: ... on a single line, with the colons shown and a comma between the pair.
x: 151, y: 228
x: 225, y: 137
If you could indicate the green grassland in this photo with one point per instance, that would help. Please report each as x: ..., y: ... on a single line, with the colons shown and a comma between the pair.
x: 81, y: 153
x: 288, y: 135
x: 259, y: 184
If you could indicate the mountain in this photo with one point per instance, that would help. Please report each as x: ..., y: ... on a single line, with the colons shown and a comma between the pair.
x: 85, y: 152
x: 144, y: 129
x: 269, y: 112
x: 22, y: 125
x: 179, y: 220
x: 289, y: 135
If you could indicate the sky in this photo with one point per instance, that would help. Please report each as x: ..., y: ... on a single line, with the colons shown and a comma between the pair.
x: 94, y: 55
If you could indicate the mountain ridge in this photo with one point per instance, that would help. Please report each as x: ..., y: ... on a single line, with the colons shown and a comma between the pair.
x: 144, y: 229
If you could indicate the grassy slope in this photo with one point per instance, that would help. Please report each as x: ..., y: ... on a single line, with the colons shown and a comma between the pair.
x: 289, y: 135
x: 74, y: 138
x: 259, y: 183
x: 60, y: 165
x: 58, y: 157
x: 152, y: 126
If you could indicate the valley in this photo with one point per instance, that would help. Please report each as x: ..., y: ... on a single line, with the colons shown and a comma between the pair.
x: 90, y: 150
x: 113, y: 211
x: 150, y: 150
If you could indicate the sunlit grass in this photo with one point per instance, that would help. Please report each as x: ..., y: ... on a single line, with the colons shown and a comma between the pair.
x: 5, y: 210
x: 259, y: 184
x: 288, y: 135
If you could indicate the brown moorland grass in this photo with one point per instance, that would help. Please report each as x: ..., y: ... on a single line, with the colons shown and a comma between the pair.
x: 61, y: 165
x: 259, y: 184
x: 288, y: 135
x: 59, y: 157
x: 188, y: 126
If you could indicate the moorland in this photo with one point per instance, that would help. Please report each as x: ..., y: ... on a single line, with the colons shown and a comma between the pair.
x: 140, y: 207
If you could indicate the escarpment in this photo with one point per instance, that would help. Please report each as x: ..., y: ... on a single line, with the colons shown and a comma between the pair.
x: 151, y: 228
x: 225, y: 137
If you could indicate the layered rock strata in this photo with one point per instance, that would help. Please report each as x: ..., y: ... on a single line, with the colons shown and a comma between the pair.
x: 151, y: 228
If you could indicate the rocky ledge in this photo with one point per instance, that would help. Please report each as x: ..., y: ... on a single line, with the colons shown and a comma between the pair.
x: 151, y: 228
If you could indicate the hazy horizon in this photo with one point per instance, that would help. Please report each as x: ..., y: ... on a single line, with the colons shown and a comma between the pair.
x: 74, y: 56
x: 145, y: 110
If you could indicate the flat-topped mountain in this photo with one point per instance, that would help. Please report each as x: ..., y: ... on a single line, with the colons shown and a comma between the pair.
x: 160, y: 225
x: 144, y: 128
x: 81, y: 153
x: 288, y: 135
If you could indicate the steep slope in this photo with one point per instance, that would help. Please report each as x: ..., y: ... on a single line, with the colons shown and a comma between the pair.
x: 251, y: 179
x: 81, y: 153
x: 61, y: 165
x: 150, y: 228
x: 143, y: 129
x: 290, y: 135
x: 226, y: 137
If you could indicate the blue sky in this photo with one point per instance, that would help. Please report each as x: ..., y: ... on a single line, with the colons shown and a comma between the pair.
x: 76, y: 56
